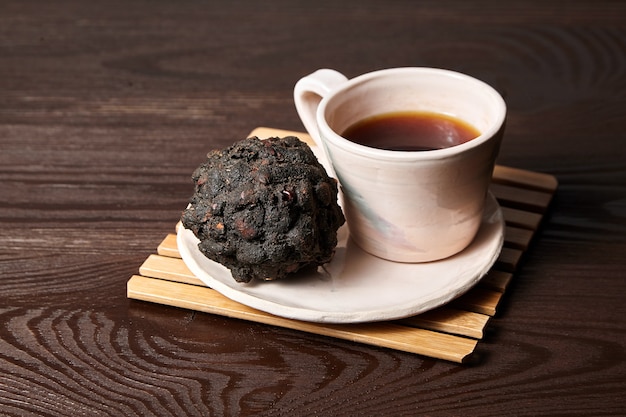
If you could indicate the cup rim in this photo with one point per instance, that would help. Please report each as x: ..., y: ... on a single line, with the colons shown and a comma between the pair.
x: 393, y: 155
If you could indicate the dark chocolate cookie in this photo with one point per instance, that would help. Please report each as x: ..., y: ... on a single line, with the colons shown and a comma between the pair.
x: 264, y: 208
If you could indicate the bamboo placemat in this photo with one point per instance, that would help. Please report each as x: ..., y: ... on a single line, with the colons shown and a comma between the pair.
x: 450, y: 332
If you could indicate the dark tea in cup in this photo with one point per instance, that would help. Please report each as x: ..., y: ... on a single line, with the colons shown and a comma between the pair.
x: 411, y: 131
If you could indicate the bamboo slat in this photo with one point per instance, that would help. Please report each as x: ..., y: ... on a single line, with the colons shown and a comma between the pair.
x: 389, y: 335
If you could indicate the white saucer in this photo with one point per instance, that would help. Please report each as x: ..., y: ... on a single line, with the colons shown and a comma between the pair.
x: 356, y: 286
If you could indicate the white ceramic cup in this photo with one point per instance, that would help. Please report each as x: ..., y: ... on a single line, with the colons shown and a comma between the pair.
x: 406, y: 206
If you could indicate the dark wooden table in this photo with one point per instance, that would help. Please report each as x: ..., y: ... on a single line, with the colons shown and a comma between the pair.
x: 107, y: 107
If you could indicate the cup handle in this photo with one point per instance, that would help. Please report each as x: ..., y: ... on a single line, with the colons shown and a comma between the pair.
x: 308, y: 93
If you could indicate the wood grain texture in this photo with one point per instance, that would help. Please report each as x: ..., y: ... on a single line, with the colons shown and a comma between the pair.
x: 107, y: 107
